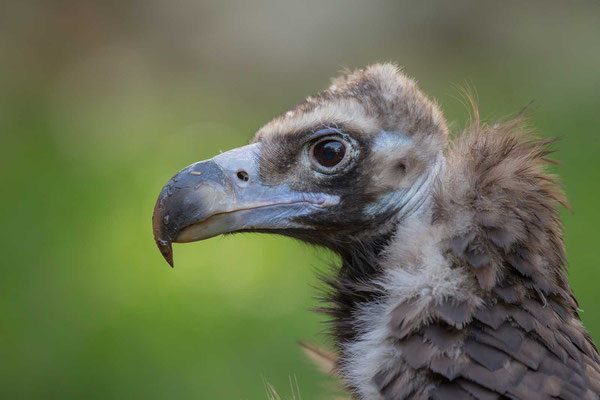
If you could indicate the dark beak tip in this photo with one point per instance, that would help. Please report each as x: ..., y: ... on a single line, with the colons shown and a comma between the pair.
x: 166, y: 249
x: 161, y: 234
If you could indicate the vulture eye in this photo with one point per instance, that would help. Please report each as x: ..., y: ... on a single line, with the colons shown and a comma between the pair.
x: 328, y: 153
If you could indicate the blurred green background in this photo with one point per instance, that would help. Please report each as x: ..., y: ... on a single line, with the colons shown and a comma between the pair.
x: 102, y: 102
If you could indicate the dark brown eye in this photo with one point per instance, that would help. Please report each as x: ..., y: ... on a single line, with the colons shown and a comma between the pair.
x: 329, y: 153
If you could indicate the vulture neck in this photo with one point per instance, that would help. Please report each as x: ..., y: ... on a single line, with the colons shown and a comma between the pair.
x: 361, y: 259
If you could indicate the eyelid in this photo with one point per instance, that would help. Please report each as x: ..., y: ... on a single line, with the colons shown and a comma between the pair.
x: 325, y: 132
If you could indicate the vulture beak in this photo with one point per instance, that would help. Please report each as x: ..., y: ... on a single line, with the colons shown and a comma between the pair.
x: 226, y: 194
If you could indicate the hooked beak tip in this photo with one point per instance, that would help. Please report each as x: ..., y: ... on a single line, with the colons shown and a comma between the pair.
x: 166, y: 249
x: 161, y: 236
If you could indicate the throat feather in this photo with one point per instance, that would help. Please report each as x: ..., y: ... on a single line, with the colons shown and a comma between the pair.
x: 353, y: 284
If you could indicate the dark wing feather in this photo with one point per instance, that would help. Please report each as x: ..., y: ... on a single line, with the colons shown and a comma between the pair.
x: 550, y: 367
x: 498, y: 358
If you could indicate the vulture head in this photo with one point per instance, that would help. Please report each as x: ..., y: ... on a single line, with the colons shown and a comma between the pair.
x: 452, y: 283
x: 343, y: 167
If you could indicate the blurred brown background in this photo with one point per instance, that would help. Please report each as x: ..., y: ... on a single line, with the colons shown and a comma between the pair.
x: 101, y: 102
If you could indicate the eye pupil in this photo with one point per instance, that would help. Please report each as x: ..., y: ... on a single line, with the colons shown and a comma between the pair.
x: 329, y: 153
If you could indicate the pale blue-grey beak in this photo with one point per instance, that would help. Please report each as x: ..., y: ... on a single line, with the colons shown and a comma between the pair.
x: 226, y: 194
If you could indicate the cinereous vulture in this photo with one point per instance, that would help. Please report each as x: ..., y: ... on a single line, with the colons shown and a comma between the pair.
x: 452, y: 282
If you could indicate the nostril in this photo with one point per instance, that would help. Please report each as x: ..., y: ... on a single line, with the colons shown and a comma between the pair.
x: 243, y: 176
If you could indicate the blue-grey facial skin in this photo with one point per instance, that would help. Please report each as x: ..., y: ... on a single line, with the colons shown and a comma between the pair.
x: 408, y: 200
x: 225, y: 194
